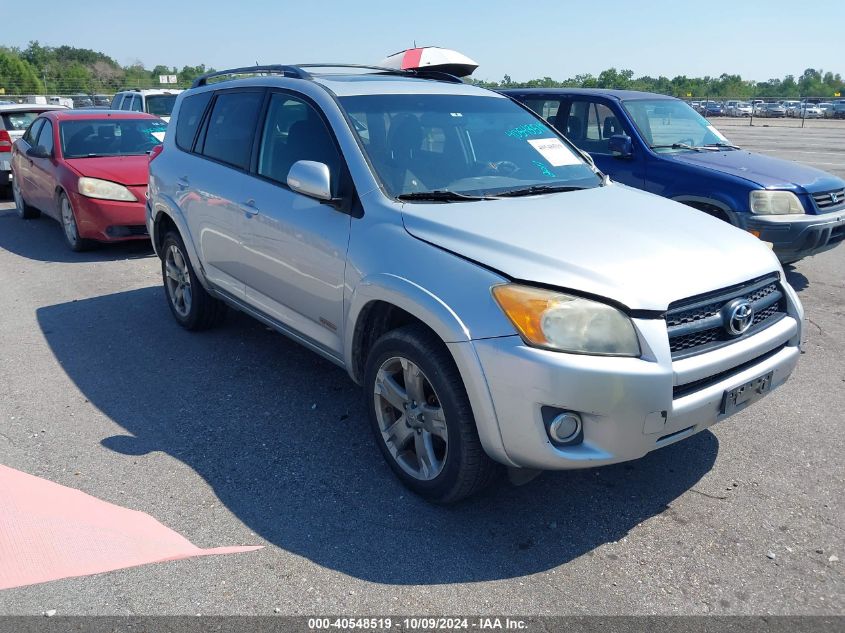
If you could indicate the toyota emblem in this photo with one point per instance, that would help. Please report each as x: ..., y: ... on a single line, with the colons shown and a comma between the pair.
x: 738, y: 316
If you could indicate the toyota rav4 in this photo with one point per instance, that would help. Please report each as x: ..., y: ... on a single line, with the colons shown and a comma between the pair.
x: 499, y: 299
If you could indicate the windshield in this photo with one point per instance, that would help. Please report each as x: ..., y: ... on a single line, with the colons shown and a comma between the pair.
x: 88, y: 138
x: 664, y: 123
x: 470, y: 145
x: 161, y: 105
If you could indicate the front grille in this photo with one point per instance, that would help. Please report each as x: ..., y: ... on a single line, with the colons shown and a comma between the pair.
x: 829, y: 200
x: 697, y: 325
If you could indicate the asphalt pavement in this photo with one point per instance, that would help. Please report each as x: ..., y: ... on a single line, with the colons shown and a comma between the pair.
x: 239, y: 436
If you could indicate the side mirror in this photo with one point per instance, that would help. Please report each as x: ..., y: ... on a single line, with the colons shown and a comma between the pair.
x: 621, y: 146
x: 311, y: 179
x: 39, y: 151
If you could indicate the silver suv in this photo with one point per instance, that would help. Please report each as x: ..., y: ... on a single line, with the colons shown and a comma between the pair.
x: 500, y: 301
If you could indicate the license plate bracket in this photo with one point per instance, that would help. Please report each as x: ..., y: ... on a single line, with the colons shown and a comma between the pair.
x: 740, y: 397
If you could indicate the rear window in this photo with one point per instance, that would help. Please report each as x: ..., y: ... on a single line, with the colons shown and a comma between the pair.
x: 18, y: 121
x: 161, y: 105
x: 190, y: 115
x: 91, y: 138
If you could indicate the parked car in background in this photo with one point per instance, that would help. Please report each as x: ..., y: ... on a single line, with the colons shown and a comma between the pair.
x: 102, y: 100
x: 661, y: 145
x: 466, y: 265
x: 810, y: 111
x: 729, y: 107
x: 88, y: 170
x: 742, y: 109
x: 713, y: 108
x: 773, y: 110
x: 156, y: 102
x: 827, y: 109
x: 65, y: 102
x: 759, y: 108
x: 791, y: 107
x: 82, y: 101
x: 14, y: 119
x: 839, y: 109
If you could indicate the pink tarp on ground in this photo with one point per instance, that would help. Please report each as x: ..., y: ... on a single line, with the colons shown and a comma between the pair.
x: 48, y: 531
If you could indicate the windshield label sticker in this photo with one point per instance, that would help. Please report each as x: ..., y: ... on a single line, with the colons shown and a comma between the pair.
x: 554, y: 151
x: 543, y: 168
x: 529, y: 129
x: 158, y: 135
x: 717, y: 133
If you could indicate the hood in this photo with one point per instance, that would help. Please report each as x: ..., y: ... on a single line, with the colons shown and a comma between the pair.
x: 635, y: 248
x: 124, y: 170
x: 765, y: 171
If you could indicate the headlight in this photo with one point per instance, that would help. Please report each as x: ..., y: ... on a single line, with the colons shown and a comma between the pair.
x: 775, y: 203
x: 104, y: 189
x: 562, y: 322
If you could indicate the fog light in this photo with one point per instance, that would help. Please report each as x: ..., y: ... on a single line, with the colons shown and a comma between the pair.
x: 565, y: 427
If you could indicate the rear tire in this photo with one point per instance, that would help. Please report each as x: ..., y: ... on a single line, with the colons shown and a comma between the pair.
x: 25, y: 211
x: 421, y: 416
x: 192, y: 307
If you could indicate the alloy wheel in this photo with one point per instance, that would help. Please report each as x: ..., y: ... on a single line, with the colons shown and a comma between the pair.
x: 69, y: 222
x: 411, y: 419
x: 178, y: 280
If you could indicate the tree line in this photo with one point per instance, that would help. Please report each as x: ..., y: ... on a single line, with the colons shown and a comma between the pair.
x: 811, y: 83
x: 39, y: 69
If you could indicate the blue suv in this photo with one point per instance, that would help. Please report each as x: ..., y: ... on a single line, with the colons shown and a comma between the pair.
x: 660, y: 144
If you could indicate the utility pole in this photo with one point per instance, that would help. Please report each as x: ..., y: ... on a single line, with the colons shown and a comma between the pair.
x: 44, y: 77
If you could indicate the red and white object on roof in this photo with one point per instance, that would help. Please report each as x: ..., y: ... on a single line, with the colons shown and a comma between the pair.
x: 431, y: 58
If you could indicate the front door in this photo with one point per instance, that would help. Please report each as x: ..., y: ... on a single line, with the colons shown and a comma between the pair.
x: 589, y: 124
x: 295, y: 245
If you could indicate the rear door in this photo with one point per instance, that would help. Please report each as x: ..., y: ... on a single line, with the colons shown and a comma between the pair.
x: 23, y: 163
x: 214, y: 184
x: 42, y: 173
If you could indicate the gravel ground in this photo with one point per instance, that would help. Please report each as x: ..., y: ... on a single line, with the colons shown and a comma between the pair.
x: 217, y: 436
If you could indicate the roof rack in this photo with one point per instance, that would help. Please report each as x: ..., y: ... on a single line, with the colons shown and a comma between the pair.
x: 274, y: 69
x: 297, y: 71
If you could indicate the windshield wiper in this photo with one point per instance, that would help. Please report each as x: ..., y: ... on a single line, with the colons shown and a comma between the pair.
x: 723, y: 145
x: 694, y: 148
x: 440, y: 195
x: 536, y: 190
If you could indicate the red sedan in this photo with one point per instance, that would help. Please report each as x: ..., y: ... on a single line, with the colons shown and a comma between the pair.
x: 88, y: 170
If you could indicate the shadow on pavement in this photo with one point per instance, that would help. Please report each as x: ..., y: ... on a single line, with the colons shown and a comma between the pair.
x: 236, y: 404
x: 797, y: 280
x: 42, y: 240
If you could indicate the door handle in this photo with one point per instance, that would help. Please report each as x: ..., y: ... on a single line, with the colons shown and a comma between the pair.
x: 249, y: 207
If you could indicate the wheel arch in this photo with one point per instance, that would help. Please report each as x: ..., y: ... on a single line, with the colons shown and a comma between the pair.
x: 168, y: 216
x: 710, y: 206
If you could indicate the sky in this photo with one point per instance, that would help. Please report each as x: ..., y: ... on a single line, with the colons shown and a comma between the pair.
x: 756, y: 39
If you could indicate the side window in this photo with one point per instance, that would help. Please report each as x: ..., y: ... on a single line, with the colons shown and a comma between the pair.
x: 127, y: 102
x: 118, y: 99
x: 190, y: 115
x: 32, y: 133
x: 590, y: 125
x: 45, y: 137
x: 137, y: 104
x: 294, y: 131
x: 229, y: 133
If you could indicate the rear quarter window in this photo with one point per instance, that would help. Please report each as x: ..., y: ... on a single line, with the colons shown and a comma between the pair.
x: 189, y: 119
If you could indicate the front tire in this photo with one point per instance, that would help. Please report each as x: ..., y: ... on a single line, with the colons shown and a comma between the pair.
x: 191, y: 305
x: 71, y: 229
x: 421, y: 416
x: 25, y: 211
